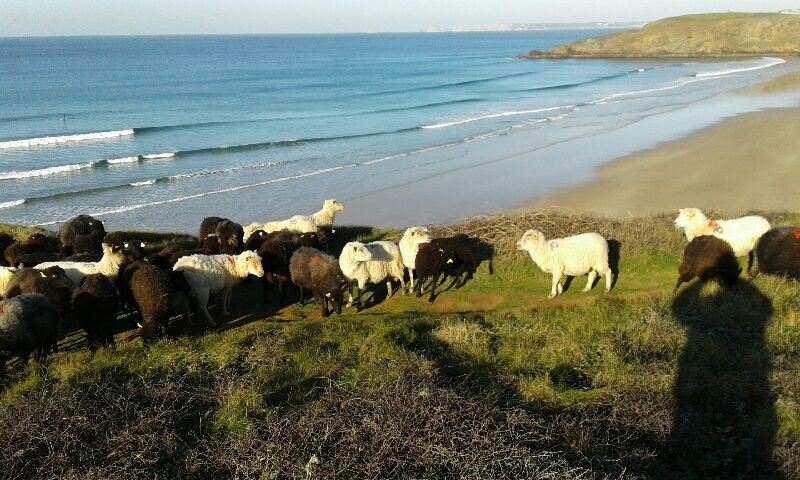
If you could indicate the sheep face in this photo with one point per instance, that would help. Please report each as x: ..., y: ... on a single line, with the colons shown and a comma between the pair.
x: 252, y: 262
x: 530, y: 240
x: 333, y: 206
x: 688, y: 216
x: 60, y: 276
x: 357, y: 252
x: 419, y: 234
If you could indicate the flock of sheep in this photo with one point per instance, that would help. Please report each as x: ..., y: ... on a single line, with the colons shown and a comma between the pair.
x: 85, y: 276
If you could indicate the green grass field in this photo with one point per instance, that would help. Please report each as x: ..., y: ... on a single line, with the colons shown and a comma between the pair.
x: 490, y: 381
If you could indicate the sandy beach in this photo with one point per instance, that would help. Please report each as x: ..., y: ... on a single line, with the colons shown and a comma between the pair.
x: 749, y: 162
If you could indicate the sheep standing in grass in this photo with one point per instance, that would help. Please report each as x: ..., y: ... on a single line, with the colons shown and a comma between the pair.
x: 370, y: 263
x: 582, y: 254
x: 741, y: 233
x: 51, y: 282
x: 217, y: 275
x: 109, y: 265
x: 84, y: 230
x: 708, y: 257
x: 300, y: 223
x: 276, y: 252
x: 316, y: 271
x: 94, y: 305
x: 409, y: 246
x: 28, y: 323
x: 778, y: 253
x: 35, y: 249
x: 156, y: 297
x: 444, y: 257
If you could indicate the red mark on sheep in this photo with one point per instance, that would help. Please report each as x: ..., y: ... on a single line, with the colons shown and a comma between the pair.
x: 796, y: 233
x: 315, y: 260
x: 713, y: 224
x: 231, y: 260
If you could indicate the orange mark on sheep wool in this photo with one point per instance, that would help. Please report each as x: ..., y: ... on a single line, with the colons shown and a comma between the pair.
x: 315, y: 260
x: 796, y: 233
x: 713, y: 224
x: 231, y: 260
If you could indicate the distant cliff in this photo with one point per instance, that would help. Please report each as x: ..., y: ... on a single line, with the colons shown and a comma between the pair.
x: 708, y: 35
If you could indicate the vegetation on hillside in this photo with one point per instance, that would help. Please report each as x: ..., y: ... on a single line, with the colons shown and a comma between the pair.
x: 707, y: 35
x: 490, y: 381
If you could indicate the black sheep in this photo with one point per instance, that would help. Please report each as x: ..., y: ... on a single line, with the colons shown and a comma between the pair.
x: 207, y: 227
x: 708, y: 257
x: 276, y: 253
x: 231, y: 234
x: 28, y: 323
x: 36, y: 249
x: 166, y: 258
x: 444, y: 257
x: 87, y: 231
x: 778, y: 253
x: 211, y: 245
x: 255, y: 240
x: 51, y: 282
x: 319, y: 272
x: 6, y: 241
x: 157, y: 298
x: 94, y: 304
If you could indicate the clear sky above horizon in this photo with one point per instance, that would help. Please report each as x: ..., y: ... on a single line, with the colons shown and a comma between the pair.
x: 153, y: 17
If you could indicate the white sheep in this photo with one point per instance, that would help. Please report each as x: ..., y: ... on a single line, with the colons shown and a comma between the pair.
x: 5, y: 277
x: 300, y: 223
x: 571, y: 256
x: 109, y: 265
x: 371, y: 263
x: 409, y: 246
x: 217, y: 275
x: 741, y: 233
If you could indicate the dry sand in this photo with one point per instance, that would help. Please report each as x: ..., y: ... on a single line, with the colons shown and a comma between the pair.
x: 750, y: 162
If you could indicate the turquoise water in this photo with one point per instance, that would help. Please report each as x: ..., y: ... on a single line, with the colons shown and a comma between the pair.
x: 158, y: 132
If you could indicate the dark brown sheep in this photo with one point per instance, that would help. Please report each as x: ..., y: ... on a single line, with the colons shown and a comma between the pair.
x: 156, y: 298
x: 231, y: 235
x: 86, y: 230
x: 94, y: 305
x: 317, y: 271
x: 51, y: 282
x: 36, y: 249
x: 708, y: 257
x: 443, y: 257
x: 166, y: 258
x: 6, y: 241
x: 28, y: 323
x: 778, y: 253
x: 255, y: 240
x: 276, y: 253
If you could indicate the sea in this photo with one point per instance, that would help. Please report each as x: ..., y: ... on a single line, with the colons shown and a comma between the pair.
x: 155, y: 133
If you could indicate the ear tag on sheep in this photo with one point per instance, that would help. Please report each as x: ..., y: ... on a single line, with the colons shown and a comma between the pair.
x: 142, y: 244
x: 127, y: 246
x: 43, y: 274
x: 796, y: 233
x: 333, y: 231
x: 328, y: 294
x: 449, y: 260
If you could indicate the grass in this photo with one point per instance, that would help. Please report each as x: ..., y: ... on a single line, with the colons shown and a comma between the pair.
x: 490, y: 381
x: 706, y: 35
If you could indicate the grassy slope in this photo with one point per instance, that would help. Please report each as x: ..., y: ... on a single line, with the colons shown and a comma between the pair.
x: 492, y: 380
x: 720, y: 34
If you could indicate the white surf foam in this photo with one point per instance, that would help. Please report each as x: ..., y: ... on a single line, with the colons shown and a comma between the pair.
x: 649, y: 90
x: 144, y: 183
x: 153, y: 156
x: 767, y: 63
x: 43, y: 172
x: 13, y: 203
x: 495, y: 115
x: 32, y: 142
x: 116, y: 161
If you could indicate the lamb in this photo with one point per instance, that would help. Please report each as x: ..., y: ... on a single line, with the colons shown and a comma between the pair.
x: 316, y: 271
x: 217, y: 275
x: 572, y: 256
x: 28, y: 323
x: 88, y: 232
x: 369, y: 263
x: 300, y: 223
x: 36, y: 249
x: 94, y: 305
x: 109, y: 265
x: 6, y: 274
x: 156, y: 297
x: 409, y: 245
x: 444, y: 256
x: 741, y: 233
x: 708, y: 257
x: 778, y: 253
x: 52, y: 282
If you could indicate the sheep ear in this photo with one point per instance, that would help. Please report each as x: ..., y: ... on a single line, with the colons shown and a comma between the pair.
x: 690, y: 213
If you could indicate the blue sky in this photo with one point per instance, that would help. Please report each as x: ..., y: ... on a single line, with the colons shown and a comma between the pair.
x: 146, y: 17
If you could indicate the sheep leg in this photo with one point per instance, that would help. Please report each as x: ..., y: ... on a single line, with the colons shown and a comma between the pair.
x: 433, y: 287
x: 609, y: 278
x: 592, y: 276
x: 556, y: 288
x: 201, y: 306
x: 410, y: 280
x: 402, y: 279
x: 323, y: 300
x: 389, y: 289
x: 226, y: 301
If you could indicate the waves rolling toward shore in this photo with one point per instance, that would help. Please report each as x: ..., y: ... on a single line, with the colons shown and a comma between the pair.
x: 270, y: 117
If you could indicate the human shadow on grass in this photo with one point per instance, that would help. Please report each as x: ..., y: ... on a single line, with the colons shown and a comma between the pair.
x: 724, y: 421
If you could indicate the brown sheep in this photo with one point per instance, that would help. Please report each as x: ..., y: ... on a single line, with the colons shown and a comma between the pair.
x: 708, y: 257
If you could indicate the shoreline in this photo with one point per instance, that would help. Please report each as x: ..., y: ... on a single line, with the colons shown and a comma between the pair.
x: 748, y: 162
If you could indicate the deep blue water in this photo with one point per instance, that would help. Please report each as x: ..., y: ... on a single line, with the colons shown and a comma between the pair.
x: 258, y: 127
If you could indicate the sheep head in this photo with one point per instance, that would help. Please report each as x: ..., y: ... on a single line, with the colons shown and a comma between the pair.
x: 688, y: 217
x: 332, y: 205
x: 530, y: 240
x: 357, y: 252
x: 250, y: 262
x: 418, y: 235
